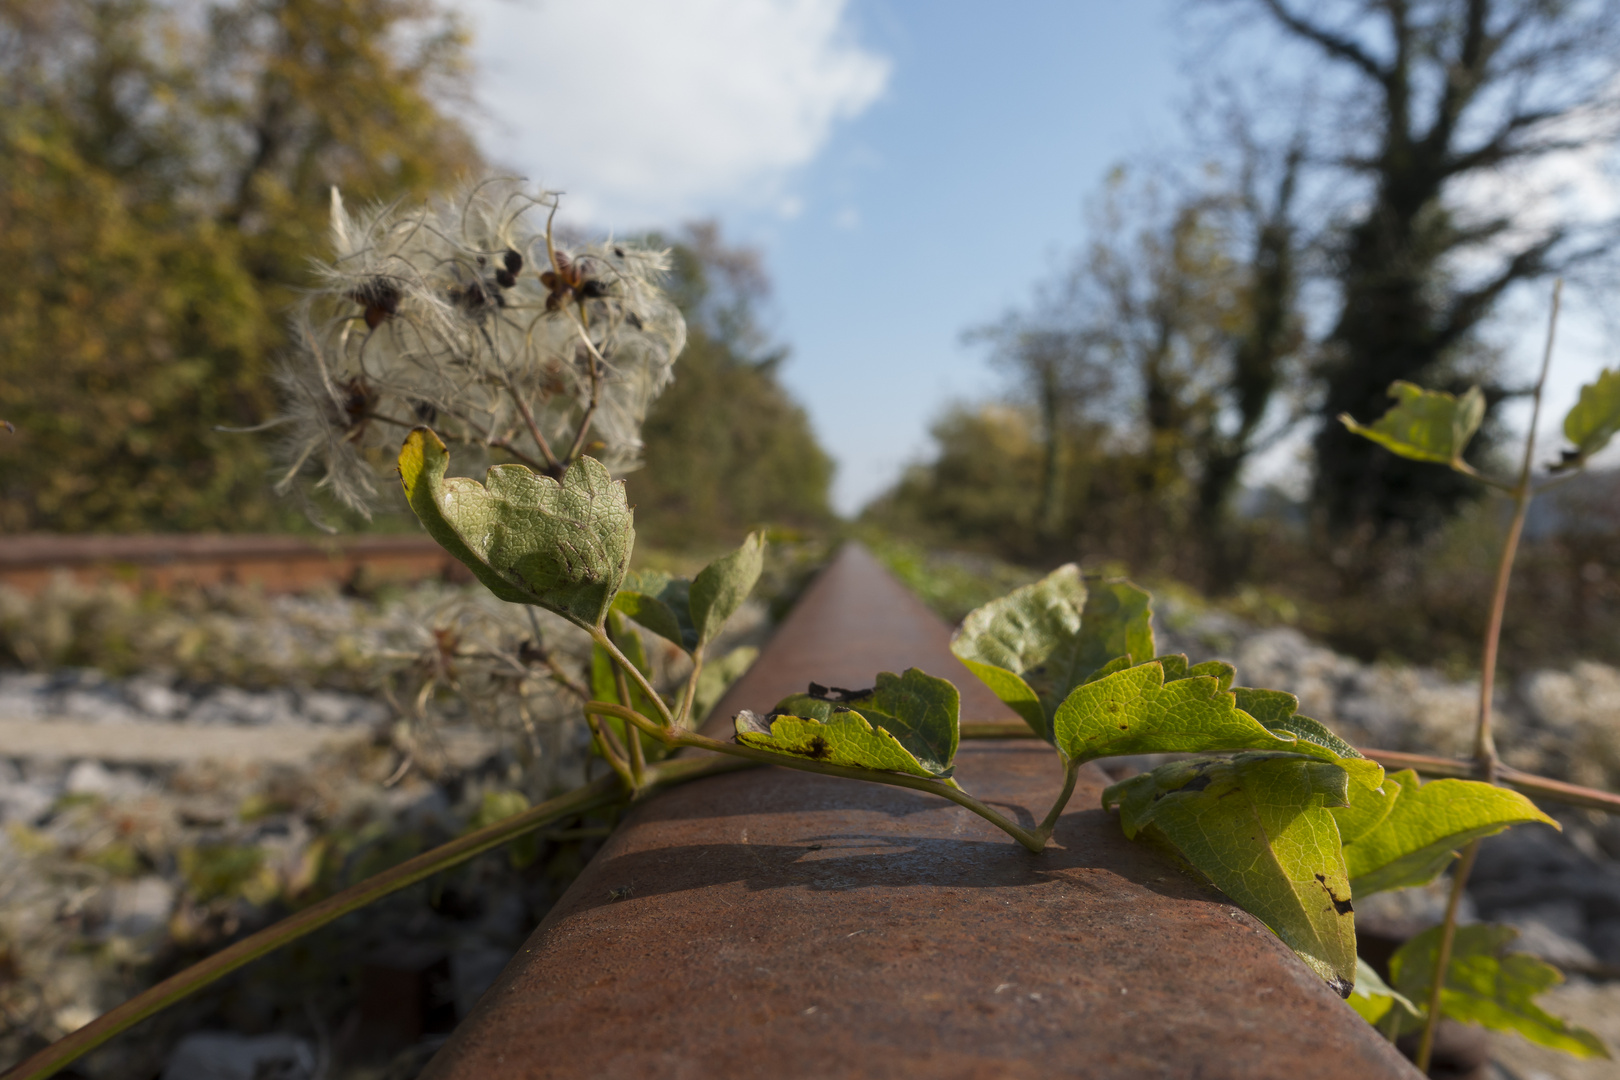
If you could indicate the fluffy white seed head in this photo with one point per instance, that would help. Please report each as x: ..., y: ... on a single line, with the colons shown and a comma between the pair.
x: 467, y: 315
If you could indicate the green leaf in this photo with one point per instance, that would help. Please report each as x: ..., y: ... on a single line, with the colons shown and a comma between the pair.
x: 1034, y: 645
x: 721, y: 587
x: 1373, y: 997
x: 717, y: 677
x: 530, y: 540
x: 907, y: 723
x: 1425, y: 425
x: 1276, y: 710
x: 923, y: 712
x: 1019, y: 633
x: 1371, y: 800
x: 1594, y: 419
x: 1136, y: 711
x: 1116, y: 621
x: 1425, y: 826
x: 661, y: 604
x: 1259, y: 826
x: 1486, y: 984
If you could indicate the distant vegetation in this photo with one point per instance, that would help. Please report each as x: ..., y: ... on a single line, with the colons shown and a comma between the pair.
x: 163, y: 182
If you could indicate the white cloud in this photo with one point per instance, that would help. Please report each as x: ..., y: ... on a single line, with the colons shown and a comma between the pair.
x: 645, y: 111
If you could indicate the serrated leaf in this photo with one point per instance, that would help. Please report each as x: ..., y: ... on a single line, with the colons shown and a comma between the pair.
x: 1136, y: 711
x: 1259, y: 826
x: 1371, y: 800
x: 1018, y: 633
x: 1032, y: 646
x: 923, y: 712
x: 721, y: 587
x: 1277, y: 711
x: 1425, y: 826
x: 661, y: 603
x: 844, y: 738
x: 1373, y: 997
x: 1425, y: 425
x: 1486, y: 984
x: 917, y: 712
x: 1118, y: 663
x: 1594, y: 419
x: 530, y: 540
x: 1117, y: 620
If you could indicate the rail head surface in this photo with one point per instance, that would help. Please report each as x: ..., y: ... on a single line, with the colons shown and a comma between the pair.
x: 777, y: 923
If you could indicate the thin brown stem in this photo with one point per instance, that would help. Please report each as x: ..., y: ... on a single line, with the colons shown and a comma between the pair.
x: 552, y: 465
x: 1442, y: 960
x: 558, y: 675
x: 506, y: 446
x: 1537, y: 787
x: 1484, y: 740
x: 597, y: 365
x: 1489, y: 481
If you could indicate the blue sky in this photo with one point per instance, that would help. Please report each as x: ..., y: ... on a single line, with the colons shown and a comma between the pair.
x: 909, y: 168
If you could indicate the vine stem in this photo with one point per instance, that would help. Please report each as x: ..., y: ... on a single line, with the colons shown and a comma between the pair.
x: 1537, y: 787
x: 598, y: 364
x: 683, y: 716
x: 604, y: 639
x: 606, y: 791
x: 638, y: 759
x: 945, y: 789
x: 1071, y: 771
x: 553, y: 466
x: 1484, y: 739
x: 1442, y: 960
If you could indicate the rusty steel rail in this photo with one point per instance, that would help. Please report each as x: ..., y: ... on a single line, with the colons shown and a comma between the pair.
x: 273, y: 563
x: 779, y: 924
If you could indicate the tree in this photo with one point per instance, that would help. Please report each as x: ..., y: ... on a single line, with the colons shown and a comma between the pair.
x: 726, y: 447
x: 1154, y: 363
x: 161, y: 184
x: 1428, y: 98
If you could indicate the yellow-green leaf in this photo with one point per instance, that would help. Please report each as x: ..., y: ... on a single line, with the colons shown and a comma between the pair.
x: 1373, y: 997
x: 692, y: 613
x: 1136, y: 711
x: 1486, y: 984
x: 906, y: 723
x: 1425, y: 425
x: 844, y: 738
x: 1426, y: 825
x: 1034, y: 645
x: 661, y: 604
x: 564, y: 547
x: 1594, y: 419
x: 721, y: 587
x: 1260, y: 827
